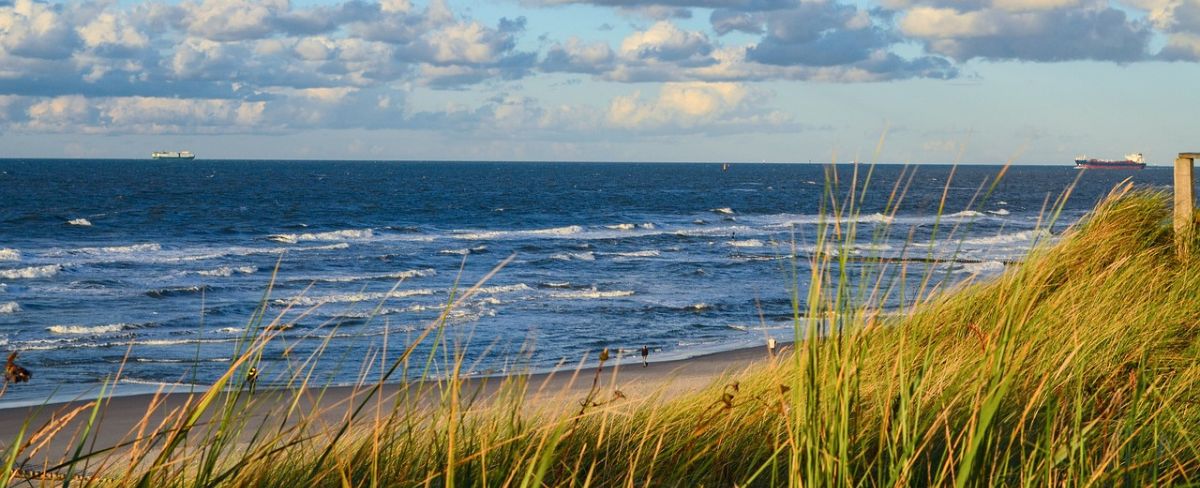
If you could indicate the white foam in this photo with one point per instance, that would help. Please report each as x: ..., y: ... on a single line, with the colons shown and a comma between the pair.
x: 501, y: 234
x: 650, y: 253
x: 622, y: 226
x: 1016, y: 237
x: 7, y: 254
x: 985, y: 267
x: 746, y: 243
x: 464, y: 251
x: 336, y: 235
x: 557, y: 284
x: 574, y: 256
x: 9, y: 307
x: 493, y: 290
x: 723, y: 211
x: 126, y: 249
x: 964, y: 214
x: 80, y: 222
x: 591, y: 293
x: 402, y: 275
x: 227, y: 271
x: 999, y: 212
x: 351, y: 297
x: 89, y: 329
x: 31, y: 272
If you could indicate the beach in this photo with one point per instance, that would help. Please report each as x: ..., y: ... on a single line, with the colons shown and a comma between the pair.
x: 554, y: 393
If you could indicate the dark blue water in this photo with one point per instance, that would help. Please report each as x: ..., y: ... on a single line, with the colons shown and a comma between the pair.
x: 167, y: 261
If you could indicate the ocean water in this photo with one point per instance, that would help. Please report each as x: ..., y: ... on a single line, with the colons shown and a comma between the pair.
x: 158, y: 266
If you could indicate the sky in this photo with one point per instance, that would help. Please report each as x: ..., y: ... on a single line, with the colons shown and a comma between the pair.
x: 927, y: 81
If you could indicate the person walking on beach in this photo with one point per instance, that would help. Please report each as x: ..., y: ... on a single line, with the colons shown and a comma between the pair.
x: 645, y: 355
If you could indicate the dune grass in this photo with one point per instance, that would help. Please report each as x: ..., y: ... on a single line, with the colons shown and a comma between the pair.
x: 1076, y: 368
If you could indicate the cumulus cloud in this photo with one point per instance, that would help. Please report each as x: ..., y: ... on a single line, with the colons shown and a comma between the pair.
x: 692, y: 104
x: 1032, y: 30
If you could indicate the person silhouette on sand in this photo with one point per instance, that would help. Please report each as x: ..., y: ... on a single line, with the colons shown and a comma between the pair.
x: 645, y: 355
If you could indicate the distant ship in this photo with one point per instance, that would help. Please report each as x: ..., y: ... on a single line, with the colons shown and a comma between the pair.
x: 172, y: 155
x: 1131, y: 161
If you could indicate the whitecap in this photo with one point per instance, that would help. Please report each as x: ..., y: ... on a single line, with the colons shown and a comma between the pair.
x: 501, y: 234
x: 1015, y: 237
x: 304, y: 301
x: 1001, y: 212
x: 9, y: 307
x: 401, y: 275
x: 985, y: 267
x: 337, y: 235
x: 557, y: 284
x: 80, y: 222
x: 574, y: 256
x: 622, y: 226
x: 504, y: 288
x: 464, y: 251
x: 227, y: 271
x: 746, y: 243
x: 7, y: 254
x: 649, y: 253
x: 723, y: 211
x: 90, y: 329
x: 126, y: 249
x: 31, y: 272
x: 591, y: 293
x: 963, y: 214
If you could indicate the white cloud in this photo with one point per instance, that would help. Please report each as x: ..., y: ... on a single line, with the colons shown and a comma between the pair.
x: 677, y: 104
x: 35, y: 30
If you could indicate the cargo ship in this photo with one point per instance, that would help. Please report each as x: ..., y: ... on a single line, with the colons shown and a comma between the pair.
x: 172, y: 155
x: 1131, y: 161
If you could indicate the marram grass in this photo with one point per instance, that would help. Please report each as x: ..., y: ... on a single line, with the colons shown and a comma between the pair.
x: 1078, y: 367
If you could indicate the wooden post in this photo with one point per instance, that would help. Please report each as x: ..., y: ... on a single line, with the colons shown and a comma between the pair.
x: 1185, y: 198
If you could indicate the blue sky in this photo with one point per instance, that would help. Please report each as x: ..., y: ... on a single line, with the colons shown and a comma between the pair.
x: 979, y: 81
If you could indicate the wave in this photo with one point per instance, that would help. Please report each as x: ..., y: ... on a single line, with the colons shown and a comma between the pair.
x: 651, y: 253
x: 1026, y: 236
x: 591, y: 293
x: 964, y: 214
x: 80, y: 222
x: 304, y: 301
x: 493, y: 290
x: 556, y: 284
x: 7, y: 254
x: 501, y: 234
x: 647, y: 225
x: 722, y: 211
x: 242, y: 251
x: 175, y: 291
x: 464, y: 251
x: 574, y: 256
x: 336, y: 235
x: 984, y: 267
x: 746, y: 243
x: 402, y: 275
x: 31, y: 272
x: 126, y: 249
x: 1001, y: 212
x: 227, y: 271
x: 91, y: 329
x: 9, y: 307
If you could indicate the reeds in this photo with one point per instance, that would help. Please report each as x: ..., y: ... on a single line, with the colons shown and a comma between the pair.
x: 1076, y: 368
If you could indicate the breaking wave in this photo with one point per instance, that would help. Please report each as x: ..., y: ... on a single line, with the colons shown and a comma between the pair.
x: 174, y: 291
x: 502, y: 234
x: 646, y: 225
x: 984, y: 267
x: 638, y: 254
x: 126, y: 249
x: 31, y: 272
x: 505, y: 289
x: 80, y: 222
x: 964, y: 214
x: 574, y: 256
x: 90, y: 329
x: 591, y: 293
x: 1016, y: 237
x: 723, y: 211
x: 227, y: 271
x: 303, y: 301
x: 7, y: 254
x: 9, y: 307
x: 464, y: 251
x: 337, y: 235
x: 402, y: 275
x: 1001, y: 212
x: 746, y: 243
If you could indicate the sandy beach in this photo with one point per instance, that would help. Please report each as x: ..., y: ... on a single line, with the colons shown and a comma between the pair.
x: 122, y: 418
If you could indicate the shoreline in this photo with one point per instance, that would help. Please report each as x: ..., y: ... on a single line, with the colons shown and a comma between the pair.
x: 120, y: 415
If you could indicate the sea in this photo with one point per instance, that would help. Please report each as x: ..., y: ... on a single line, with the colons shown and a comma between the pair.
x: 155, y: 269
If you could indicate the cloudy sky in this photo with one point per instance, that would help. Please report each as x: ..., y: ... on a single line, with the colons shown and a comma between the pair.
x: 604, y: 80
